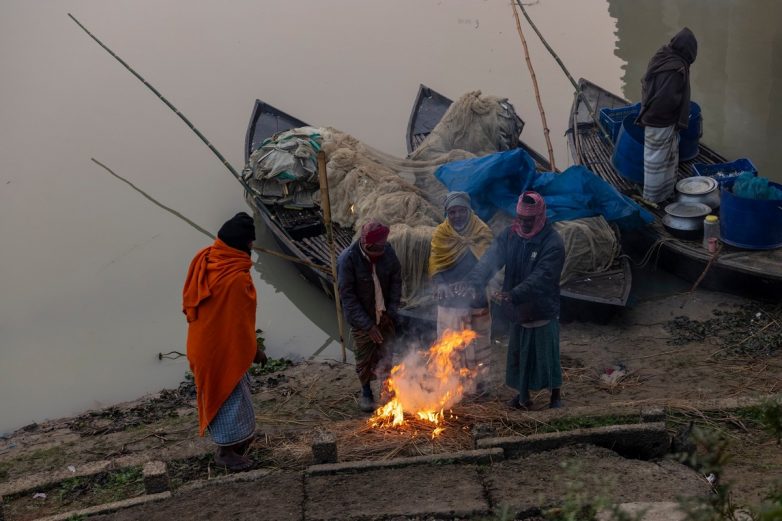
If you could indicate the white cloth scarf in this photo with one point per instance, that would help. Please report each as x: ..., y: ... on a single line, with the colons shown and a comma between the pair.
x: 380, y: 303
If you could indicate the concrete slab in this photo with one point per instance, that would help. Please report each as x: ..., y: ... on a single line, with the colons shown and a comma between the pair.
x: 324, y: 447
x: 454, y: 491
x: 546, y: 479
x: 643, y: 440
x: 42, y: 480
x: 239, y: 477
x: 108, y: 507
x: 155, y: 477
x: 655, y: 511
x: 481, y: 456
x: 277, y: 496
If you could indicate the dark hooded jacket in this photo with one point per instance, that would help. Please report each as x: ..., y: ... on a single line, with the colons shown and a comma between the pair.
x: 532, y: 271
x: 665, y: 88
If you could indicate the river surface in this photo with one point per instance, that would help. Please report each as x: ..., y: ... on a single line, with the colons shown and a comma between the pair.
x: 91, y: 272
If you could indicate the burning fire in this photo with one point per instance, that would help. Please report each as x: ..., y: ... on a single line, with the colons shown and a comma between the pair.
x: 427, y: 383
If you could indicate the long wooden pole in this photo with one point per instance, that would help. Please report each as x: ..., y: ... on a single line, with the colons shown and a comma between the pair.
x: 537, y: 90
x: 236, y: 175
x: 564, y: 69
x: 202, y: 230
x: 325, y: 204
x: 198, y: 133
x: 222, y: 159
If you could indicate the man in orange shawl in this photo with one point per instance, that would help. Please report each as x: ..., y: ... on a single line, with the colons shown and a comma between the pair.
x: 219, y: 302
x: 457, y: 245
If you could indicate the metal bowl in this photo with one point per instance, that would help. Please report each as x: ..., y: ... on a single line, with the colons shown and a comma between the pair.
x: 685, y: 220
x: 699, y: 189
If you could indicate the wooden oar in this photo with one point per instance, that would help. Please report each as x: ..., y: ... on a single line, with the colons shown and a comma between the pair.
x: 202, y: 230
x: 535, y: 86
x: 325, y: 204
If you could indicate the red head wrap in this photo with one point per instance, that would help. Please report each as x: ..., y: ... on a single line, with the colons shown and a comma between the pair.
x: 531, y: 204
x: 374, y: 232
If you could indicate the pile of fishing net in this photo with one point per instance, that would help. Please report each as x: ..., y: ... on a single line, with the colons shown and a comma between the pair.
x: 365, y: 184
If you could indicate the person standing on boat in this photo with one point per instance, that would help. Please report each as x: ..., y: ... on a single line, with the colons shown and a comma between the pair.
x: 369, y: 277
x: 665, y: 110
x: 219, y: 302
x: 533, y: 254
x: 457, y: 245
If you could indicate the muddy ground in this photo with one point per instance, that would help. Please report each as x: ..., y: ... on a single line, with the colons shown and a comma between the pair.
x: 661, y: 362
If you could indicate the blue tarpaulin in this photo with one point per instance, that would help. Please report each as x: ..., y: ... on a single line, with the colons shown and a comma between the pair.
x: 494, y: 182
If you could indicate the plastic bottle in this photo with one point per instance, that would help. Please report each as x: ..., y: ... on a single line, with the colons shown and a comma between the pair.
x: 711, y: 230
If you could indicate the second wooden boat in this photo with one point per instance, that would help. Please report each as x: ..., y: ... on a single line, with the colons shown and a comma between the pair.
x: 742, y: 272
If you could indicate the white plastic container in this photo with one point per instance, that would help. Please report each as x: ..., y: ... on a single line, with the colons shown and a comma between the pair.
x: 711, y: 230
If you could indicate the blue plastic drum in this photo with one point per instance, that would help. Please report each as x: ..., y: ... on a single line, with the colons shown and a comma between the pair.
x: 750, y: 223
x: 628, y: 157
x: 691, y: 136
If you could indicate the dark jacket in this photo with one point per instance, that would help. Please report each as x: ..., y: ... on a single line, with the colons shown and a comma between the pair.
x: 532, y: 271
x: 665, y: 88
x: 357, y: 291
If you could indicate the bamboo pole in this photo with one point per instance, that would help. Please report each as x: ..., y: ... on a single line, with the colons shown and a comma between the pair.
x: 169, y: 105
x: 564, y: 69
x: 326, y: 206
x: 199, y: 228
x: 537, y: 90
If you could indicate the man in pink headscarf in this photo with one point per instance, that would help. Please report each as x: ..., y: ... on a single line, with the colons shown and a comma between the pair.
x: 533, y: 254
x: 369, y: 278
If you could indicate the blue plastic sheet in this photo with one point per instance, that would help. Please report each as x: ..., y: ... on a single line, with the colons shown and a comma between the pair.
x: 494, y: 182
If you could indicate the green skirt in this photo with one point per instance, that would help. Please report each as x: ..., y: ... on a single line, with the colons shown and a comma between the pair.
x: 533, y: 358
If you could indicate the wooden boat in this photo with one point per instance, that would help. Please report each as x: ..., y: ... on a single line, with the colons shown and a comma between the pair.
x: 742, y: 272
x: 595, y: 296
x: 299, y: 232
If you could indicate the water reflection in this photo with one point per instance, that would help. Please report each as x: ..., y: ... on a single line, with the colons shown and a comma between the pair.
x: 311, y: 304
x: 737, y: 78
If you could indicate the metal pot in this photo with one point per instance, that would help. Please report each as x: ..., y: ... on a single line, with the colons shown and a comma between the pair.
x: 685, y: 220
x: 699, y: 189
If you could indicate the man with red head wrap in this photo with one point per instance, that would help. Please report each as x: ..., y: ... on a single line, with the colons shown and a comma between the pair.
x: 369, y: 277
x: 533, y: 254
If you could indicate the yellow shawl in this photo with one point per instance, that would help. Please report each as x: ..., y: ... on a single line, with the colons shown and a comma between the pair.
x: 448, y: 245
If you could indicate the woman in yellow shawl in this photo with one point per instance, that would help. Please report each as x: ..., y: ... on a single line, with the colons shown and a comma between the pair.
x: 457, y: 245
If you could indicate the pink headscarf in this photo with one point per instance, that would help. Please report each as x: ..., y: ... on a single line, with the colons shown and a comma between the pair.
x: 536, y: 209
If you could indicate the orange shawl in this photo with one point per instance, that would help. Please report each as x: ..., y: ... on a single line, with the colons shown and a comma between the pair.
x: 219, y: 301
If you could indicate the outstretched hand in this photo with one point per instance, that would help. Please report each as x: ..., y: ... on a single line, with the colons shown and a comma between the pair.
x: 386, y: 322
x: 463, y: 289
x: 441, y: 292
x: 375, y: 335
x: 503, y: 297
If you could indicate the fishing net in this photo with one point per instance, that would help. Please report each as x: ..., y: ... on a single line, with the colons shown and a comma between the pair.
x: 365, y: 184
x: 477, y: 124
x: 591, y: 246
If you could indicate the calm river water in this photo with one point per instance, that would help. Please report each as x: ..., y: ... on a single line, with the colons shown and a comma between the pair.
x: 91, y: 272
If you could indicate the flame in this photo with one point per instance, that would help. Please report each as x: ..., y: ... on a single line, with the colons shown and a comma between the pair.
x: 427, y: 383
